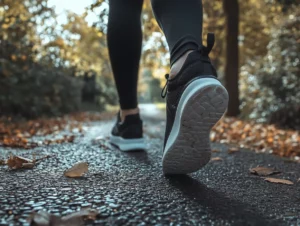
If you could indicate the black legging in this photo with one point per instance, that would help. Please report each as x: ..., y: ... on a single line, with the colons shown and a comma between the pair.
x: 181, y: 22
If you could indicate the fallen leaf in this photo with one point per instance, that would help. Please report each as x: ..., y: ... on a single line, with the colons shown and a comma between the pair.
x: 2, y: 162
x: 258, y: 137
x: 77, y: 170
x: 262, y: 171
x: 16, y: 162
x: 233, y: 150
x: 89, y: 214
x: 28, y: 165
x: 43, y: 218
x: 278, y: 181
x: 216, y: 159
x: 216, y: 151
x: 75, y: 219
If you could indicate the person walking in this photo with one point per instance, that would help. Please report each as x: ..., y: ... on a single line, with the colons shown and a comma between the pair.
x: 196, y: 100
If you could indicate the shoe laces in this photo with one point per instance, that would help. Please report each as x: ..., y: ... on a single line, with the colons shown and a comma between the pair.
x: 204, y: 50
x: 165, y: 89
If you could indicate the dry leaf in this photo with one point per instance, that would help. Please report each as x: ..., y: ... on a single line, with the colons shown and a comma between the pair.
x: 262, y: 171
x: 258, y: 137
x: 75, y: 219
x: 216, y: 151
x: 16, y: 134
x: 28, y: 165
x: 89, y: 214
x: 278, y: 181
x: 216, y: 159
x: 16, y: 162
x: 43, y: 218
x: 77, y: 170
x: 233, y: 150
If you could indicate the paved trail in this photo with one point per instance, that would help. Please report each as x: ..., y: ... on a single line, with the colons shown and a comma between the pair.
x: 129, y: 188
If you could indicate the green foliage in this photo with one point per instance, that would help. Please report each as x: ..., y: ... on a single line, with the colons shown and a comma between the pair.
x: 271, y: 85
x: 38, y: 76
x: 38, y: 66
x: 39, y: 91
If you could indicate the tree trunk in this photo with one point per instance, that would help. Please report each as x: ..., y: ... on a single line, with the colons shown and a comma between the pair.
x: 231, y: 9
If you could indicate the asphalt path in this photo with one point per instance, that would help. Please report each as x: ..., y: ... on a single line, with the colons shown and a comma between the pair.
x: 130, y: 189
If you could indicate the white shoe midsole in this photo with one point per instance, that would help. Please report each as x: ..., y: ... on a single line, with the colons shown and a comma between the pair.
x: 187, y: 94
x: 128, y: 144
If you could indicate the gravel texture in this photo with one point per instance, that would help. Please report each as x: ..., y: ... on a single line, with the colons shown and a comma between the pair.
x: 129, y: 188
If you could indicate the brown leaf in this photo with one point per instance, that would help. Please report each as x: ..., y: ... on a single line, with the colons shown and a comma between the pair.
x: 258, y: 137
x: 233, y: 150
x: 262, y: 171
x: 215, y: 151
x: 77, y: 170
x: 75, y: 219
x: 90, y: 214
x: 278, y: 181
x: 2, y: 162
x: 16, y: 162
x: 216, y: 159
x: 28, y: 165
x: 43, y: 218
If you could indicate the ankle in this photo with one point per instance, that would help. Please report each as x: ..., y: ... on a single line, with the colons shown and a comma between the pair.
x: 178, y: 64
x: 125, y: 112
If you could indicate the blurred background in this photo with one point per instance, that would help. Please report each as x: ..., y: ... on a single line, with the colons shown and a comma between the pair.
x: 54, y: 58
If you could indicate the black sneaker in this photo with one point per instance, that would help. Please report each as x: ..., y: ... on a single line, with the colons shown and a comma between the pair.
x: 196, y: 101
x: 129, y: 134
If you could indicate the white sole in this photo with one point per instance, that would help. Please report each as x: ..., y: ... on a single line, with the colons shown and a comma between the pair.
x: 128, y: 144
x: 201, y: 106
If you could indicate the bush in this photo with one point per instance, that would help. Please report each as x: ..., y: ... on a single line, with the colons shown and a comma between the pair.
x: 39, y: 91
x: 270, y: 87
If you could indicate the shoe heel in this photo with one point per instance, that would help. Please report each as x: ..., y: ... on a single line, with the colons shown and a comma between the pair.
x: 201, y: 106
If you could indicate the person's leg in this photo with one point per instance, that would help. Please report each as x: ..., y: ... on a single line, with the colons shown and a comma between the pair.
x: 124, y: 38
x: 181, y: 22
x: 196, y: 100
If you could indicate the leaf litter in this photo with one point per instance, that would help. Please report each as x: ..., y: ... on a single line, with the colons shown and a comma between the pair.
x: 258, y: 137
x: 215, y: 151
x: 233, y: 150
x: 279, y: 181
x: 244, y: 134
x: 18, y: 134
x: 77, y: 170
x: 2, y: 162
x: 43, y: 218
x: 215, y: 159
x: 18, y: 162
x: 263, y: 171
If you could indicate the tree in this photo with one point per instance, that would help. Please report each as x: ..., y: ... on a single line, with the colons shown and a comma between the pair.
x: 31, y: 85
x: 231, y: 9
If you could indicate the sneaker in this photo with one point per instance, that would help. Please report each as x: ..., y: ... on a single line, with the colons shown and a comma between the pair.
x: 196, y: 100
x: 128, y: 135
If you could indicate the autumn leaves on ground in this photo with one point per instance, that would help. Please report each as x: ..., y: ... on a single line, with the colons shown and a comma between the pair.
x: 20, y: 135
x: 240, y: 134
